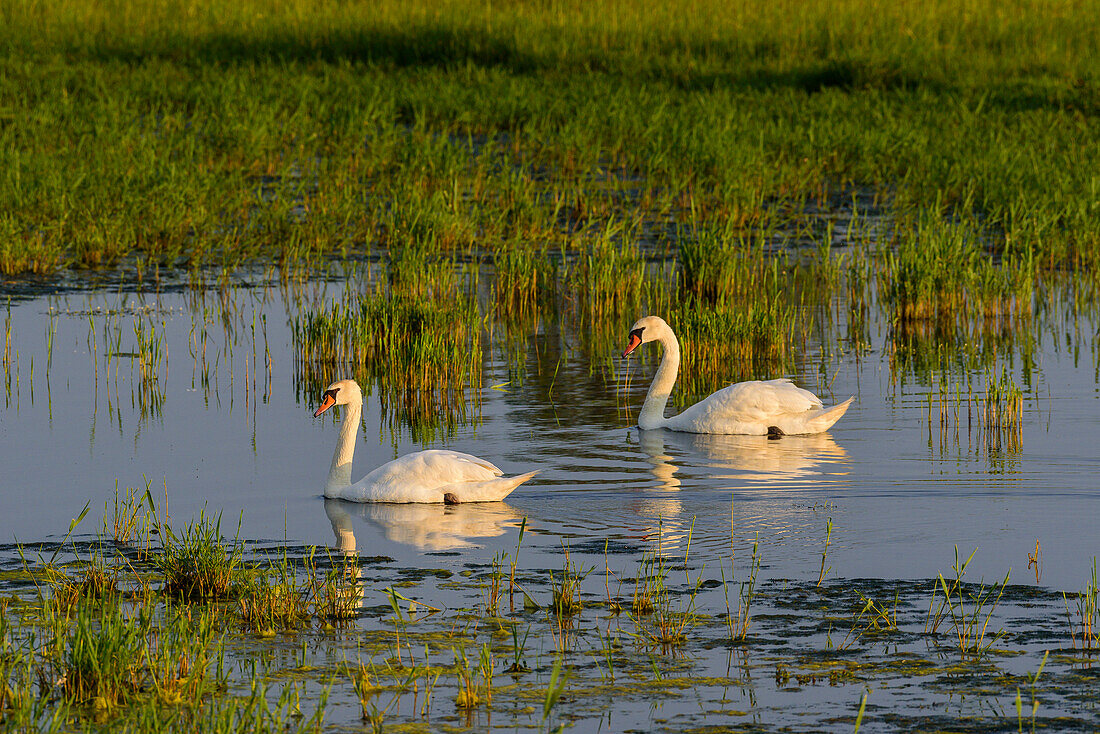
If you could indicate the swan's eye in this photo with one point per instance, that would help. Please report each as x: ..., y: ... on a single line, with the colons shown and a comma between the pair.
x: 331, y: 393
x: 637, y: 332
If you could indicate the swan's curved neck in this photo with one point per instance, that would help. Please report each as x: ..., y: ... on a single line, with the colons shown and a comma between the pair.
x: 339, y: 474
x: 653, y: 411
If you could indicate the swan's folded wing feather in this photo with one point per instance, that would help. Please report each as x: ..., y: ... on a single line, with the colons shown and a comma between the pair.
x: 736, y: 407
x: 426, y: 470
x: 790, y: 398
x: 466, y: 467
x: 760, y: 399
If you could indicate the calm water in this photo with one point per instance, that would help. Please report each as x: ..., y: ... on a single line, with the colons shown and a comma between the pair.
x: 245, y: 444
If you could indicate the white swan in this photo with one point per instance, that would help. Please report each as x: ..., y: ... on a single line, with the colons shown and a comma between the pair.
x: 757, y: 407
x: 425, y: 476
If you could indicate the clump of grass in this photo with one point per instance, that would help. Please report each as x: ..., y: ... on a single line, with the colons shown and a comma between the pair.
x: 942, y: 274
x: 274, y: 601
x: 398, y: 338
x: 94, y: 580
x: 1000, y: 415
x: 518, y: 646
x: 495, y: 587
x: 104, y: 659
x: 200, y: 563
x: 566, y: 589
x: 969, y: 607
x: 565, y: 602
x: 1084, y: 621
x: 606, y: 279
x: 524, y: 278
x: 658, y: 620
x: 994, y: 415
x: 128, y: 519
x: 720, y: 345
x: 419, y: 272
x: 179, y: 657
x: 873, y: 617
x: 422, y: 355
x: 724, y: 267
x: 738, y: 624
x: 336, y: 592
x: 152, y: 358
x: 469, y: 695
x: 649, y: 586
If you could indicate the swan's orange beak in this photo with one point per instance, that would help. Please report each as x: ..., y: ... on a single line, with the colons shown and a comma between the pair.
x: 327, y: 401
x: 635, y: 340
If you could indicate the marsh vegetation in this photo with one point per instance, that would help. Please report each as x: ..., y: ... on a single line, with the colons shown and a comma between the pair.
x: 98, y: 636
x: 208, y: 213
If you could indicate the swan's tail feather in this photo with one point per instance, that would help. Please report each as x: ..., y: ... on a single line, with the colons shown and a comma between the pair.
x: 493, y: 490
x: 826, y: 418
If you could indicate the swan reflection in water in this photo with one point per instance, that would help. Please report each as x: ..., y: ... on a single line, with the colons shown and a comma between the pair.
x: 424, y: 526
x: 755, y: 461
x: 432, y: 527
x: 737, y: 461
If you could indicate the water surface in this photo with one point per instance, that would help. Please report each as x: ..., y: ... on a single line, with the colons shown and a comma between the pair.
x: 230, y: 431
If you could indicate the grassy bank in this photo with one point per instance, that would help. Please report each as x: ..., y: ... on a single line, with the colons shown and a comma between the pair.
x: 186, y: 133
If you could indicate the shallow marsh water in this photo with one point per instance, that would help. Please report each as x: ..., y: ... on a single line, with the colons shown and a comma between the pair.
x: 242, y: 442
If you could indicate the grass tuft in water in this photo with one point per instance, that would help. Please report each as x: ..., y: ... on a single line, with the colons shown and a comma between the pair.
x: 129, y: 520
x: 1084, y: 620
x: 274, y: 600
x: 738, y: 624
x: 94, y: 580
x: 199, y: 563
x: 969, y: 608
x: 566, y: 589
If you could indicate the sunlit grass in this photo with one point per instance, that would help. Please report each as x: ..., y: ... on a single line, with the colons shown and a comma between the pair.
x: 198, y: 563
x: 421, y: 355
x: 121, y: 661
x: 192, y: 133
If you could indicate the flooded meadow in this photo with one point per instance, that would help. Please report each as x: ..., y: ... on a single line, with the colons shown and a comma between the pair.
x: 211, y: 213
x: 920, y: 565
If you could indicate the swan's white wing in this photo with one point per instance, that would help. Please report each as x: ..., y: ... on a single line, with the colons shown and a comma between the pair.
x: 770, y: 397
x: 418, y: 477
x: 746, y: 407
x: 433, y: 468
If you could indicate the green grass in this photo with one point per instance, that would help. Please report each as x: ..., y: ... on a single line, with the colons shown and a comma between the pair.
x: 150, y: 660
x: 422, y: 355
x: 198, y: 563
x: 605, y: 160
x: 187, y: 133
x: 103, y: 659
